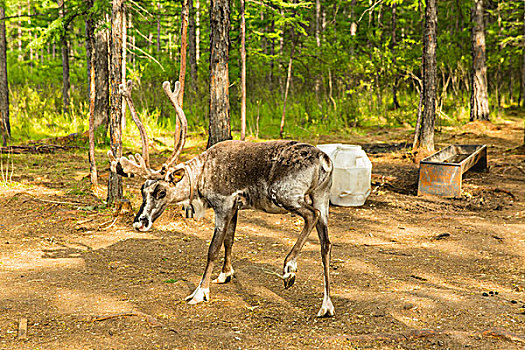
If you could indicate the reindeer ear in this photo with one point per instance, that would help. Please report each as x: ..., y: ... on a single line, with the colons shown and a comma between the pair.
x: 175, y: 175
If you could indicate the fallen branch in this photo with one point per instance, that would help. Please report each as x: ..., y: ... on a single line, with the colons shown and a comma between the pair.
x: 380, y: 243
x: 393, y: 253
x: 269, y: 272
x: 36, y: 148
x: 150, y: 319
x: 107, y: 227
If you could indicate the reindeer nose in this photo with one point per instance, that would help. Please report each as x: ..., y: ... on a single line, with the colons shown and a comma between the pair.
x: 141, y: 223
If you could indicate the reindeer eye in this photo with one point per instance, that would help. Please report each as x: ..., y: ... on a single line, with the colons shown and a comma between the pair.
x: 161, y: 194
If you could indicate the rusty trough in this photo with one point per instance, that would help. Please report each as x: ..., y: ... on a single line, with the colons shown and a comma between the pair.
x: 441, y: 173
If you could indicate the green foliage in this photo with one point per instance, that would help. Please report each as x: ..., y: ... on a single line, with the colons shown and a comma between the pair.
x: 36, y: 113
x: 339, y: 85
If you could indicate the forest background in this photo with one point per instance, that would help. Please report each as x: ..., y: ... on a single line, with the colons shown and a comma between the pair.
x: 352, y: 64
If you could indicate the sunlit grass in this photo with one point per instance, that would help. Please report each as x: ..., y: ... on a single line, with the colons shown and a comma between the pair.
x: 37, y: 114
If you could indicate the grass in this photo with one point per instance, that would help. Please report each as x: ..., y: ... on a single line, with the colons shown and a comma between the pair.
x: 36, y: 113
x: 7, y: 169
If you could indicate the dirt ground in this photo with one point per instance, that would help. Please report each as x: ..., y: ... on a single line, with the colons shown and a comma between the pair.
x: 407, y: 272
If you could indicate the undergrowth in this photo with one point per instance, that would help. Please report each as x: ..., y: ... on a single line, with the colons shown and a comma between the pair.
x: 36, y: 113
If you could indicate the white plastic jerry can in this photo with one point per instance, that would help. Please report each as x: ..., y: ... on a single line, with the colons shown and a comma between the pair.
x: 351, y: 180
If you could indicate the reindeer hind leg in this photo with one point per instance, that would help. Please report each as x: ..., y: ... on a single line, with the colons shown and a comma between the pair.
x: 310, y: 216
x: 321, y: 202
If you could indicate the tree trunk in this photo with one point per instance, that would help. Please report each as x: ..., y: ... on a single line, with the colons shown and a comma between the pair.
x: 286, y: 89
x: 510, y: 74
x: 90, y: 53
x: 353, y: 26
x: 197, y: 30
x: 5, y: 126
x: 281, y: 50
x: 28, y: 28
x: 479, y: 102
x: 159, y: 9
x: 65, y: 62
x: 219, y: 127
x: 123, y: 69
x: 523, y: 64
x: 115, y: 124
x: 20, y: 56
x: 192, y: 47
x: 425, y: 140
x: 318, y: 44
x: 89, y: 42
x: 394, y: 62
x: 272, y: 53
x: 243, y: 73
x: 183, y: 48
x: 101, y: 62
x: 92, y: 94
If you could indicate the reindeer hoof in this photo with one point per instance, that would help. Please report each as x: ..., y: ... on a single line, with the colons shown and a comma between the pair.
x: 327, y: 309
x: 198, y: 296
x: 224, y: 277
x: 289, y: 273
x: 289, y: 280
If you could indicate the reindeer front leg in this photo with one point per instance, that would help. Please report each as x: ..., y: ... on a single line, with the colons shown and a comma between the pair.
x: 227, y: 272
x: 223, y: 219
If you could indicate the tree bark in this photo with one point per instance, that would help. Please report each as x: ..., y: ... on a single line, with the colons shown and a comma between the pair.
x: 65, y: 62
x: 353, y: 26
x: 159, y: 9
x: 101, y: 66
x: 510, y: 74
x: 183, y: 48
x: 394, y: 62
x: 479, y: 102
x: 219, y: 124
x: 115, y: 125
x: 92, y: 95
x: 90, y: 53
x: 243, y: 73
x: 5, y: 126
x: 192, y: 47
x: 523, y: 65
x: 425, y: 140
x: 123, y: 60
x: 287, y: 88
x: 197, y: 30
x: 89, y: 42
x: 272, y: 53
x: 318, y: 44
x: 20, y: 56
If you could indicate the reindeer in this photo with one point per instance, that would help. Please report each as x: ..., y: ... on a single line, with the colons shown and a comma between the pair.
x: 275, y: 177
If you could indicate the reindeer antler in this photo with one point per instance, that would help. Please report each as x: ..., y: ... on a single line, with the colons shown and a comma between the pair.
x: 126, y: 93
x: 180, y: 135
x: 132, y: 166
x: 139, y: 165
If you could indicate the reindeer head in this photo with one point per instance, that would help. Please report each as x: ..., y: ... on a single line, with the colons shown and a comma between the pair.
x: 167, y: 185
x: 156, y: 195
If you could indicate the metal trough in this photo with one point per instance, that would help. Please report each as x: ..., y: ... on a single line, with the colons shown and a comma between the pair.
x: 441, y: 173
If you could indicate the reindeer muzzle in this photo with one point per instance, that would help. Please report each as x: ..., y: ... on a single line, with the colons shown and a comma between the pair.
x: 141, y: 224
